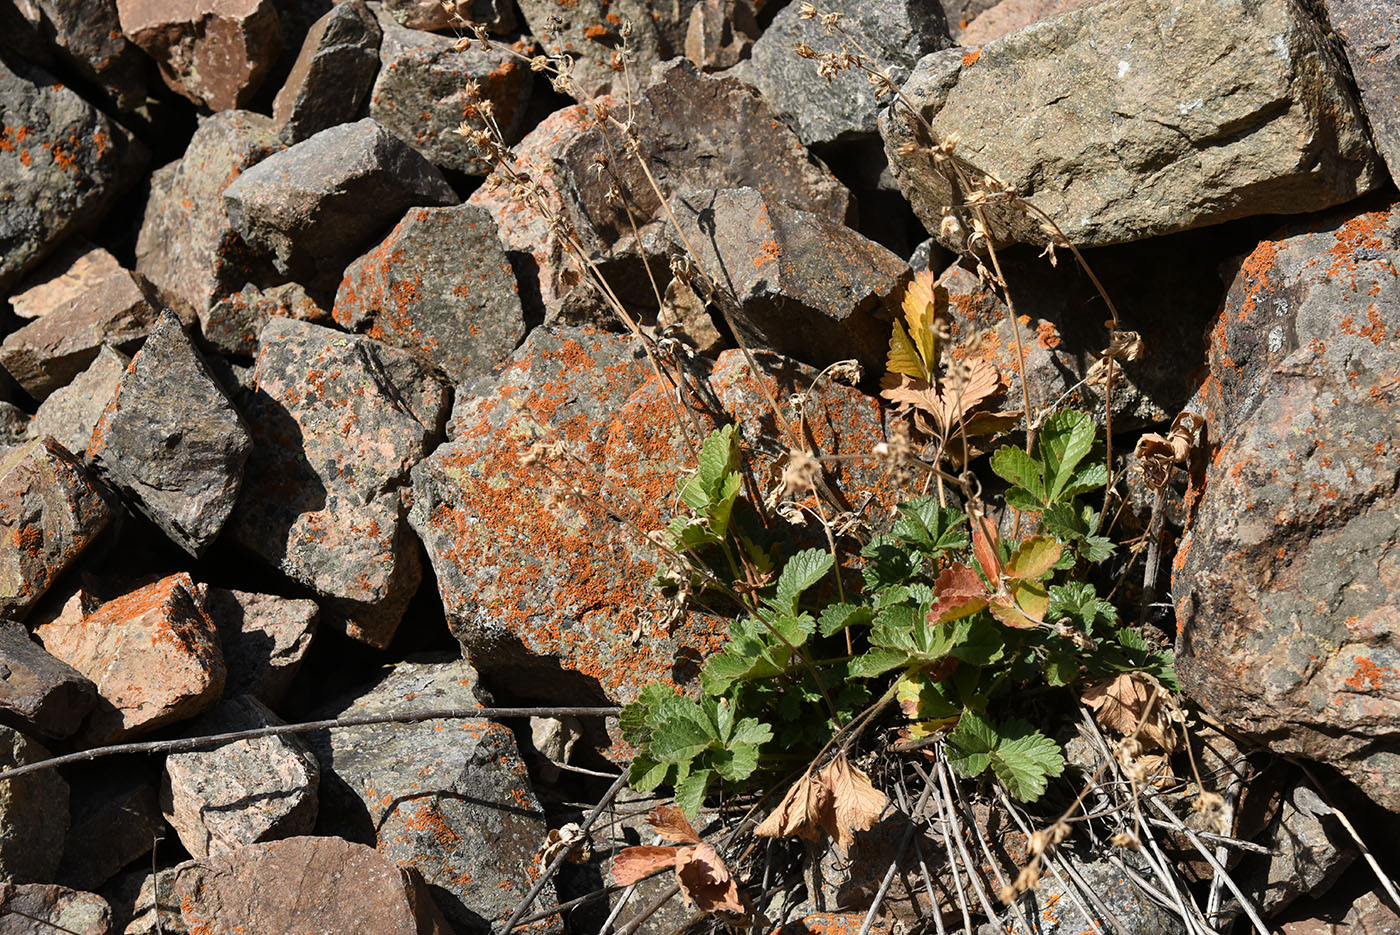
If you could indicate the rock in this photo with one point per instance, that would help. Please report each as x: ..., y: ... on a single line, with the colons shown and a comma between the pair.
x: 844, y: 108
x: 1010, y: 16
x: 79, y: 273
x: 1136, y: 118
x: 959, y: 13
x: 332, y: 77
x: 547, y: 590
x: 172, y: 442
x: 1310, y: 850
x: 497, y: 15
x: 88, y: 38
x: 796, y: 282
x: 116, y: 819
x: 232, y: 324
x: 187, y: 248
x: 214, y: 52
x: 340, y: 887
x: 14, y: 428
x: 1368, y: 30
x: 1367, y: 914
x: 33, y: 813
x: 590, y: 32
x: 39, y: 909
x: 337, y: 422
x: 72, y: 412
x: 1056, y: 913
x: 315, y: 207
x: 153, y: 655
x: 721, y: 33
x: 264, y: 639
x: 439, y: 286
x: 146, y: 899
x: 62, y: 162
x: 51, y: 509
x: 1284, y: 585
x: 39, y: 695
x: 220, y: 798
x: 421, y: 93
x: 449, y: 799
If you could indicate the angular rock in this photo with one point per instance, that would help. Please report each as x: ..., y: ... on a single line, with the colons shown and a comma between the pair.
x: 214, y: 52
x: 153, y: 655
x: 896, y: 33
x: 232, y: 324
x: 449, y: 799
x: 46, y: 354
x: 88, y: 38
x: 1369, y: 30
x: 439, y: 286
x: 721, y: 33
x: 116, y: 819
x: 61, y: 163
x: 14, y: 428
x: 39, y: 695
x: 497, y: 15
x: 220, y: 798
x: 316, y: 206
x: 590, y: 32
x: 798, y: 283
x: 171, y: 441
x: 959, y: 13
x: 1368, y: 914
x: 33, y: 813
x: 333, y: 74
x: 1137, y: 118
x: 50, y: 509
x: 187, y: 248
x: 1310, y: 850
x: 1057, y: 913
x: 1009, y: 16
x: 72, y: 412
x: 39, y: 909
x: 338, y: 421
x: 549, y: 589
x: 264, y: 638
x: 341, y: 887
x: 421, y: 96
x: 78, y: 273
x: 1285, y: 585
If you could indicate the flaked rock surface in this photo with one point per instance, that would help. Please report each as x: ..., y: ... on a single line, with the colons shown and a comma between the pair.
x: 332, y: 75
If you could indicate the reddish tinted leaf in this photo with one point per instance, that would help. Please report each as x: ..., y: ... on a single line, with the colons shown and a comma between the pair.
x: 670, y: 822
x: 1034, y: 557
x: 706, y: 882
x: 958, y: 593
x: 633, y: 863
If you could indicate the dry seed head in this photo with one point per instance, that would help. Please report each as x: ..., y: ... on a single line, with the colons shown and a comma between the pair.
x: 1126, y: 839
x: 804, y: 50
x: 848, y: 372
x: 802, y: 472
x: 807, y: 11
x: 462, y: 44
x: 949, y: 227
x: 539, y: 63
x: 1207, y: 801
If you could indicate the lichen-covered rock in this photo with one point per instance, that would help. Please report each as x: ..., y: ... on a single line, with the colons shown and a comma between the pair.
x: 214, y: 52
x: 62, y: 162
x: 232, y: 324
x: 496, y: 15
x: 792, y: 281
x: 39, y: 908
x: 439, y: 286
x: 1309, y: 849
x: 87, y: 35
x: 332, y: 76
x: 153, y: 655
x: 1055, y: 912
x: 338, y: 421
x: 50, y: 510
x: 171, y: 441
x: 590, y: 32
x: 264, y: 638
x: 39, y: 694
x: 187, y: 248
x: 450, y: 799
x: 1369, y: 30
x: 33, y: 813
x: 1286, y: 584
x: 222, y: 797
x: 71, y: 413
x: 895, y: 33
x: 421, y: 96
x: 1135, y: 118
x: 315, y: 206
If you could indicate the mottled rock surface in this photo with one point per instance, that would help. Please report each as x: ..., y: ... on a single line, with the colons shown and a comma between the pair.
x: 315, y: 206
x: 71, y: 413
x: 1370, y: 34
x: 497, y: 15
x: 78, y: 273
x: 1132, y: 119
x: 1057, y: 913
x: 39, y: 695
x: 1009, y: 16
x: 264, y: 638
x: 171, y: 441
x: 87, y: 36
x: 39, y: 909
x: 337, y: 422
x: 1310, y: 850
x: 222, y: 797
x: 720, y: 34
x: 421, y: 96
x: 33, y: 813
x: 214, y: 52
x: 333, y: 74
x: 232, y: 324
x: 439, y: 286
x: 1286, y: 584
x: 50, y: 509
x: 591, y: 34
x: 62, y: 162
x: 153, y: 655
x: 450, y: 799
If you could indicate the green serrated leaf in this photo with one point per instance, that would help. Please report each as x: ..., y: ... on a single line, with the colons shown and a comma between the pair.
x: 977, y: 641
x: 970, y: 745
x: 646, y: 773
x: 837, y: 617
x: 720, y: 672
x: 751, y: 731
x: 1024, y: 500
x: 1060, y: 669
x: 930, y: 528
x: 877, y: 662
x: 1024, y: 759
x: 888, y: 563
x: 736, y: 763
x: 680, y: 740
x: 1021, y: 471
x: 690, y: 792
x: 723, y: 506
x: 1088, y: 477
x: 1033, y: 558
x: 1065, y: 438
x: 903, y: 356
x: 1078, y: 601
x: 802, y: 571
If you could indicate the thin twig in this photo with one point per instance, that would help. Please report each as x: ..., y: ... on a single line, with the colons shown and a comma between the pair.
x: 894, y: 865
x: 1245, y: 902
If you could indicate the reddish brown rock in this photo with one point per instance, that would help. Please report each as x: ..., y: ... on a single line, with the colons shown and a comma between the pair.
x: 153, y: 655
x: 40, y: 909
x: 71, y: 413
x: 590, y: 32
x: 439, y: 286
x: 187, y: 248
x: 338, y: 421
x: 76, y: 272
x: 1368, y: 914
x: 332, y: 76
x: 50, y: 510
x: 264, y: 637
x: 1009, y: 16
x: 214, y: 52
x: 720, y: 33
x: 39, y: 694
x: 88, y: 37
x: 33, y: 813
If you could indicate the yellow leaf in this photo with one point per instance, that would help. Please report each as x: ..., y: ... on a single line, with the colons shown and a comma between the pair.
x: 904, y: 357
x: 1034, y: 557
x: 920, y: 312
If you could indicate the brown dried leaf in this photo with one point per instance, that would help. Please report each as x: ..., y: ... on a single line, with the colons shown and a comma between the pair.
x: 855, y: 802
x: 947, y: 406
x: 633, y: 863
x: 1121, y: 703
x: 670, y: 822
x: 958, y: 592
x: 706, y: 882
x: 799, y: 813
